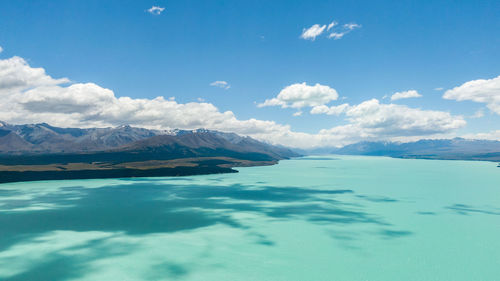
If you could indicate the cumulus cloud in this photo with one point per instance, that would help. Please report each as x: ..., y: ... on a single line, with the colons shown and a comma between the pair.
x: 302, y: 95
x: 485, y: 91
x: 330, y: 110
x: 156, y: 10
x: 312, y: 32
x: 17, y: 75
x: 89, y: 105
x: 221, y: 84
x: 405, y: 95
x: 492, y: 135
x: 29, y: 95
x: 478, y: 114
x: 372, y: 119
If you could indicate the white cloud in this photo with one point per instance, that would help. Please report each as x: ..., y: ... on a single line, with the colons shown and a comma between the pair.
x: 336, y: 31
x: 298, y: 113
x: 485, y: 91
x: 312, y: 32
x: 29, y: 95
x: 351, y: 26
x: 331, y: 25
x: 374, y: 120
x: 156, y: 10
x: 336, y: 35
x: 332, y: 110
x: 405, y: 95
x: 302, y: 95
x: 1, y: 49
x: 89, y: 105
x: 17, y: 75
x: 438, y: 89
x: 492, y: 135
x: 221, y: 84
x: 478, y: 114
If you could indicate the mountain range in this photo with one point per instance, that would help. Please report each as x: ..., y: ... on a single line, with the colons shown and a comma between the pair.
x: 41, y: 139
x: 44, y: 152
x: 446, y: 149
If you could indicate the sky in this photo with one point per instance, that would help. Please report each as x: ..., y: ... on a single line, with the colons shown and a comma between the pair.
x: 298, y: 73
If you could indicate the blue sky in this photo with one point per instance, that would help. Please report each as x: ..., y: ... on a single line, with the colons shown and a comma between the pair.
x: 256, y: 47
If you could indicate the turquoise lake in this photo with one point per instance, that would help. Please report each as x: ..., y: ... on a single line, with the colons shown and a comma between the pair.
x: 313, y: 218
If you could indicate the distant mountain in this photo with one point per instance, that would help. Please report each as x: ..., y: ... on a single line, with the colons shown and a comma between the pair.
x: 203, y: 143
x: 456, y: 149
x: 42, y: 144
x: 10, y: 141
x: 43, y: 138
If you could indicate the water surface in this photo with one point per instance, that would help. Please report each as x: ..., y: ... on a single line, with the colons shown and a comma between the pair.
x: 314, y: 218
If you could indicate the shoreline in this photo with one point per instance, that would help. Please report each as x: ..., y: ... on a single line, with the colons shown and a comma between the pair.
x: 25, y: 176
x: 418, y: 157
x: 153, y: 168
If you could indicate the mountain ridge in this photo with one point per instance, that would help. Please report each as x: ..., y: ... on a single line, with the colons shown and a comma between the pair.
x: 445, y: 149
x: 40, y: 144
x: 42, y: 138
x: 43, y: 152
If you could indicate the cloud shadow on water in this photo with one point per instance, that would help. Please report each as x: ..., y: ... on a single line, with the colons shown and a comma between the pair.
x: 427, y: 213
x: 377, y: 199
x: 464, y: 209
x: 388, y: 234
x: 149, y: 207
x: 60, y: 268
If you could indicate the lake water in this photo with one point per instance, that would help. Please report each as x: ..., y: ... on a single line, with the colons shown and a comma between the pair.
x: 314, y: 218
